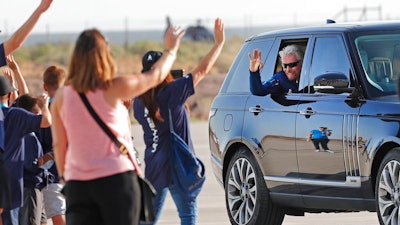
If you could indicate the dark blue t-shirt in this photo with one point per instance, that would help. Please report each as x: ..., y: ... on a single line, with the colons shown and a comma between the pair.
x: 277, y: 84
x: 34, y: 176
x: 17, y: 123
x: 3, y: 60
x: 157, y: 136
x: 46, y: 141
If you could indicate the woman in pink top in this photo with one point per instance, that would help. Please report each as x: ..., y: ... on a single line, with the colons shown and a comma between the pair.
x: 101, y: 183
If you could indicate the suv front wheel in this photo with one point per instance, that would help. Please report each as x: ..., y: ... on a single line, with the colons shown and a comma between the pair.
x: 246, y: 195
x: 388, y: 188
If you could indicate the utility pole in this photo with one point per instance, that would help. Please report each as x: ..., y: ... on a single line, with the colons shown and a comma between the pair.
x: 126, y: 43
x: 363, y: 12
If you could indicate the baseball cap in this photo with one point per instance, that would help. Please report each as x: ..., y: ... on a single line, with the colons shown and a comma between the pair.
x: 5, y: 86
x: 149, y: 59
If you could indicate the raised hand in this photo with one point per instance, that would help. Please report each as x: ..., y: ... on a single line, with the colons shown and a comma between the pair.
x: 8, y: 73
x: 219, y: 32
x: 44, y: 101
x: 12, y: 63
x: 255, y: 61
x: 172, y: 39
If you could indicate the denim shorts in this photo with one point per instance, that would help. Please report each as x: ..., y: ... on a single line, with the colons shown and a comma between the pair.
x: 54, y: 201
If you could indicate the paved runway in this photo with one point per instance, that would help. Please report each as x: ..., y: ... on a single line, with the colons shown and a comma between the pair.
x: 211, y: 203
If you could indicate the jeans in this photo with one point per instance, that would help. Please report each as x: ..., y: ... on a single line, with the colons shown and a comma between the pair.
x: 10, y: 217
x: 187, y: 209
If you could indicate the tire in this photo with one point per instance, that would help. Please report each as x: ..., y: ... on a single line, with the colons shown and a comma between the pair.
x: 246, y: 195
x: 387, y: 188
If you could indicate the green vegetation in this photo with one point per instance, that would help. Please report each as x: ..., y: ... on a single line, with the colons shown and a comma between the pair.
x: 33, y: 60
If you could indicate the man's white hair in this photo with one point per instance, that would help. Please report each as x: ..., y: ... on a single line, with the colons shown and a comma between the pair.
x: 290, y: 50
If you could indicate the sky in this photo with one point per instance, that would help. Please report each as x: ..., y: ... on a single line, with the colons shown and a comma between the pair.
x: 118, y: 15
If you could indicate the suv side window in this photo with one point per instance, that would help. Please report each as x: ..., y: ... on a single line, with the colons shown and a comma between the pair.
x: 240, y: 81
x: 329, y: 56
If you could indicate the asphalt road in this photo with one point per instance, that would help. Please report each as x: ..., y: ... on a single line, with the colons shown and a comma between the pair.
x: 211, y: 203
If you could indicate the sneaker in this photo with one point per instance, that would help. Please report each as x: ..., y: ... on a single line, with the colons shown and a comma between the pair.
x: 330, y: 151
x: 317, y: 150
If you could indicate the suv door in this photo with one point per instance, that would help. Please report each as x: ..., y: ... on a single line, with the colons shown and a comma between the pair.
x: 328, y: 121
x: 269, y: 122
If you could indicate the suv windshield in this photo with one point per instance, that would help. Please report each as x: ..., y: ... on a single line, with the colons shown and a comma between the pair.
x: 380, y: 57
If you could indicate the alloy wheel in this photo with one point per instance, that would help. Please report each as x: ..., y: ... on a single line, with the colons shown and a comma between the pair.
x: 242, y: 191
x: 389, y: 193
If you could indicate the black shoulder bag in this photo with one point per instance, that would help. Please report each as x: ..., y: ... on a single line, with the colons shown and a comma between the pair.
x: 147, y: 214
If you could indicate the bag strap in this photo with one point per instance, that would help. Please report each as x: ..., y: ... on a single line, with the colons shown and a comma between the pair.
x: 121, y: 147
x: 171, y: 129
x: 107, y: 130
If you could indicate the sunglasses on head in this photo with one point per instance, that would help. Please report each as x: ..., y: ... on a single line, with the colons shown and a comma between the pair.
x: 290, y: 65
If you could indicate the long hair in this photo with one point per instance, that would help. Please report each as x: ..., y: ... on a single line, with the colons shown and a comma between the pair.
x: 150, y: 102
x: 91, y: 64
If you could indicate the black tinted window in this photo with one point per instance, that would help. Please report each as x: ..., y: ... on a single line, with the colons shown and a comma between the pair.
x: 329, y: 56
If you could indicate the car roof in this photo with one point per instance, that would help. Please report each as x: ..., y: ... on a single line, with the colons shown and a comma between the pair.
x: 332, y: 27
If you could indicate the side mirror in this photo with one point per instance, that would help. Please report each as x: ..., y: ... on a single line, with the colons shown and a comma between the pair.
x: 332, y: 82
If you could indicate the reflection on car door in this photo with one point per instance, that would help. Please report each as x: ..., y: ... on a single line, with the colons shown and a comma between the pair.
x: 271, y: 130
x: 321, y: 133
x: 270, y: 123
x: 327, y: 165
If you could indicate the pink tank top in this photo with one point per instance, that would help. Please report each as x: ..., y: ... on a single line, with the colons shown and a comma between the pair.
x: 91, y: 153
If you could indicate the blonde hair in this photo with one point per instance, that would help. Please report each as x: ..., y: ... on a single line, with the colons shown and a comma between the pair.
x: 91, y: 66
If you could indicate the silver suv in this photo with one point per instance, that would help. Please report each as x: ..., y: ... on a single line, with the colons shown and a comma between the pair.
x: 260, y: 150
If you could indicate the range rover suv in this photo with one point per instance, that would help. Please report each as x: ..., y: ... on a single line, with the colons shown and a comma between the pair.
x: 261, y: 152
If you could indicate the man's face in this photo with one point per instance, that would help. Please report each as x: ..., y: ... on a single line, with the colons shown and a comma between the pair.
x: 291, y: 66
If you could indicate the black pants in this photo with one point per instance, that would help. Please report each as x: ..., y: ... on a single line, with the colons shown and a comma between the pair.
x: 322, y: 141
x: 113, y: 200
x: 5, y: 190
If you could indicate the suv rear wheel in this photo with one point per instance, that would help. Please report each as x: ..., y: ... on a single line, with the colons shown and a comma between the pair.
x: 246, y: 195
x: 388, y: 188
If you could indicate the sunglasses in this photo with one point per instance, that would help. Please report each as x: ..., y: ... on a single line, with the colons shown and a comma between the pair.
x: 290, y: 65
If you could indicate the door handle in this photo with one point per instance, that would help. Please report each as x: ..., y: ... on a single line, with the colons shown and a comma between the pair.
x: 307, y: 112
x: 256, y: 110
